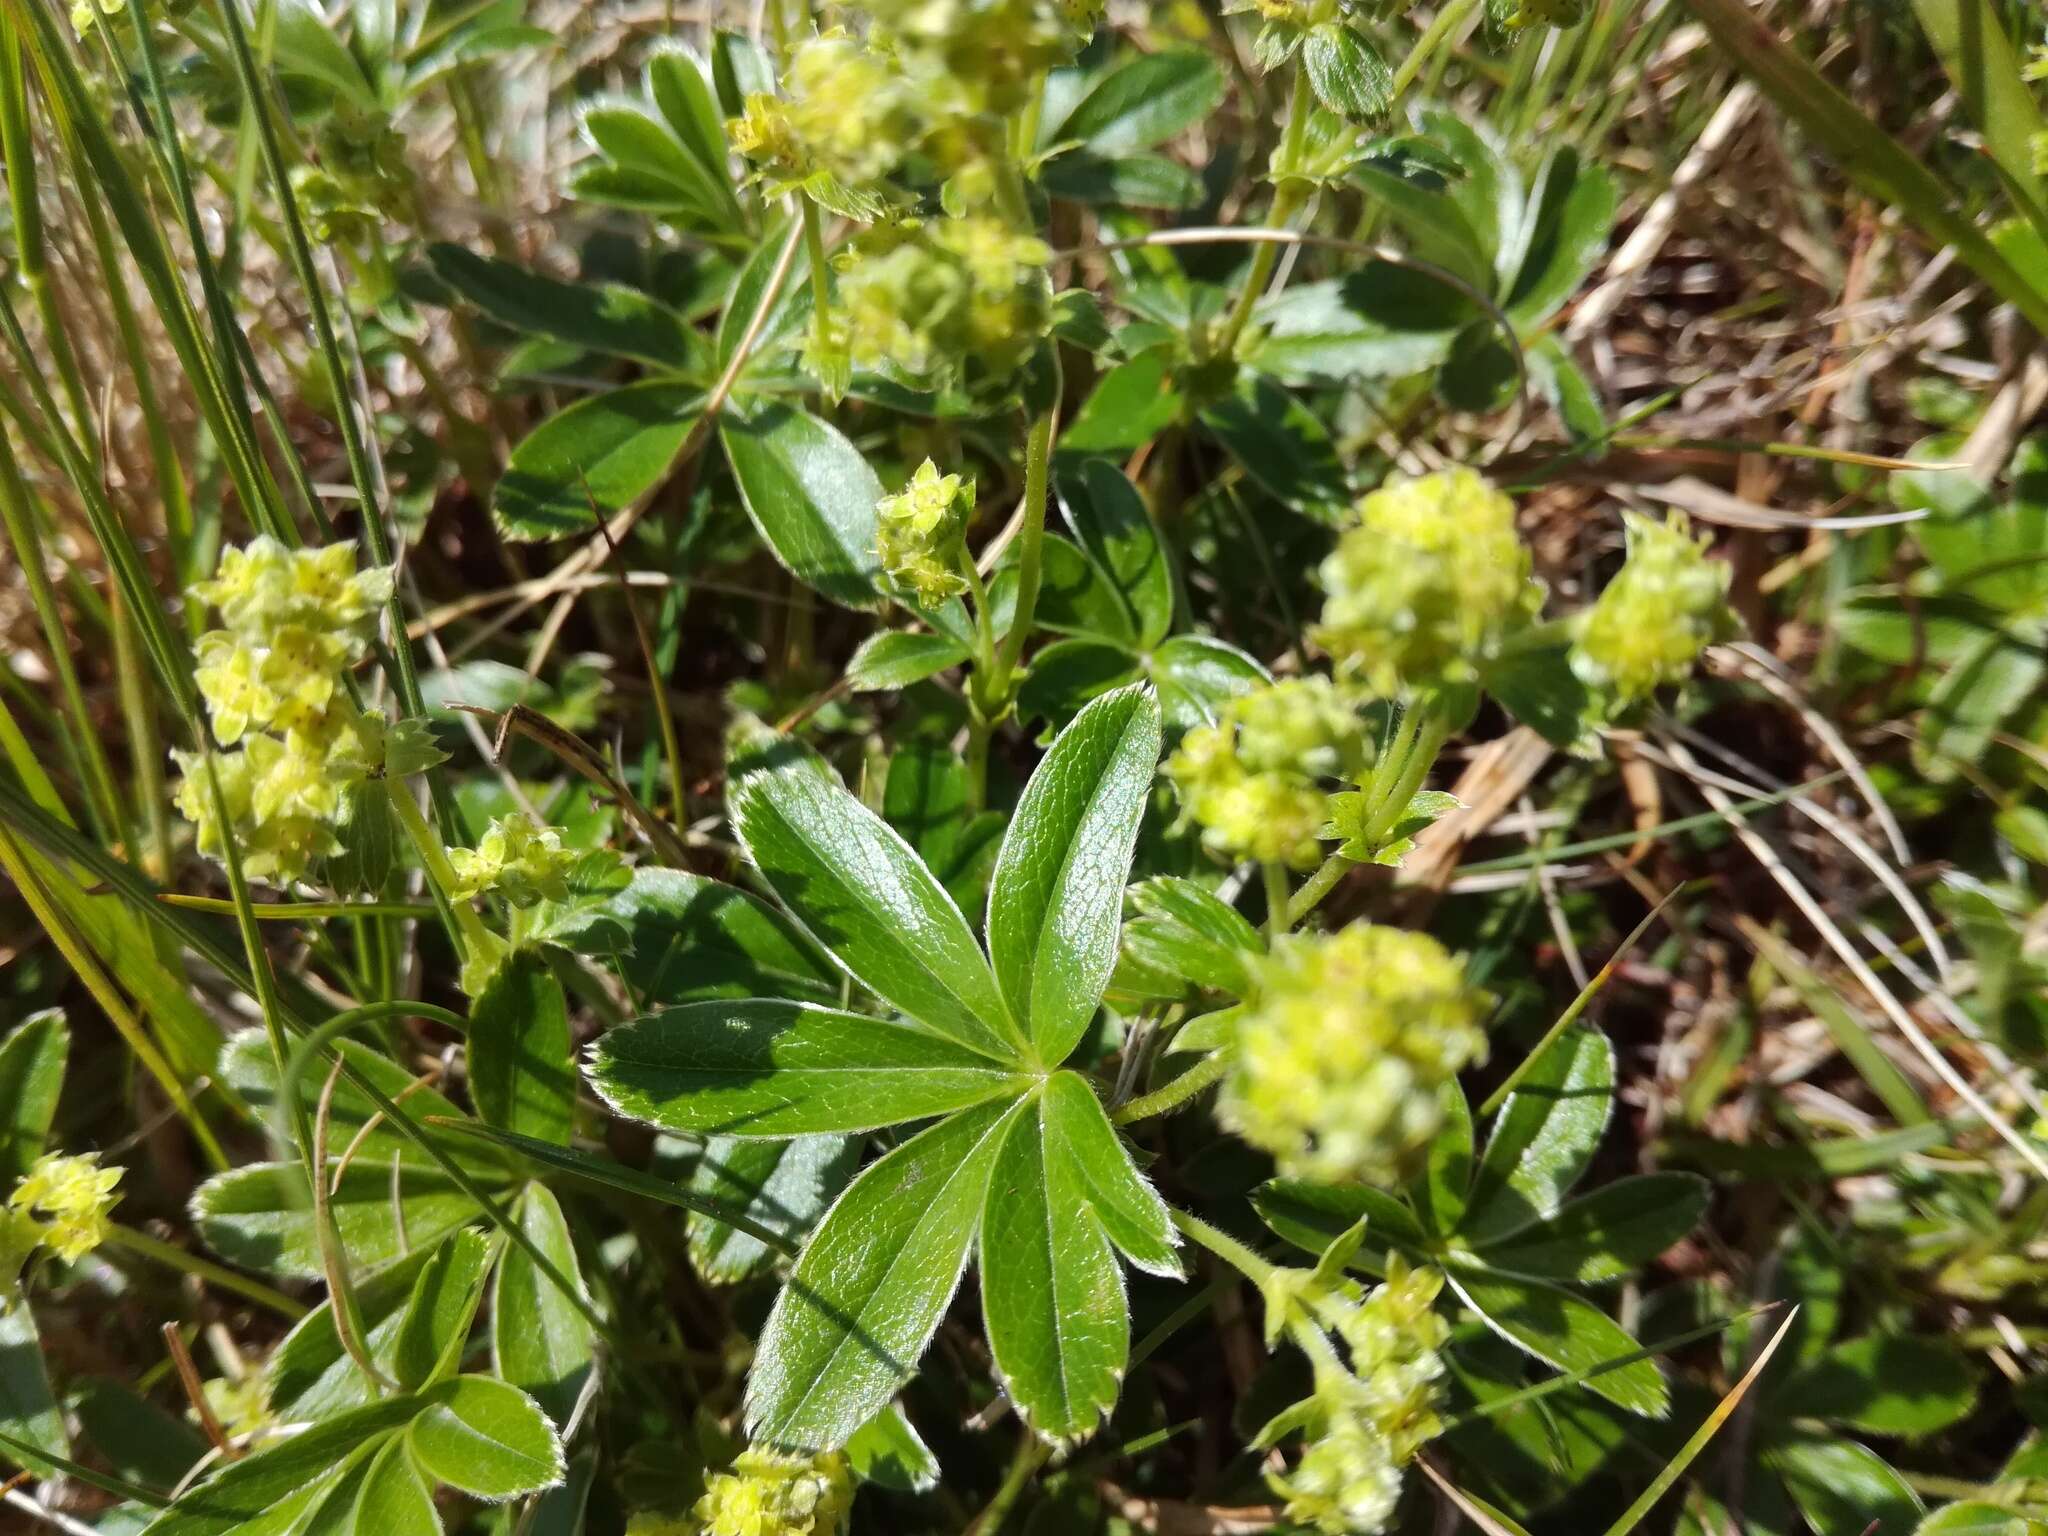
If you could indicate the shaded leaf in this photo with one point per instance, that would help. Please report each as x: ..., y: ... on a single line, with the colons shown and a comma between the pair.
x: 540, y: 1342
x: 522, y: 1076
x: 593, y: 459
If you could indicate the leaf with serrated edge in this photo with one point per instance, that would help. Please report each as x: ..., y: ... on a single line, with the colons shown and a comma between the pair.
x: 766, y: 1068
x: 540, y: 1342
x: 1086, y: 1162
x: 1057, y: 899
x: 869, y: 900
x: 870, y: 1287
x: 1052, y: 1296
x: 486, y: 1438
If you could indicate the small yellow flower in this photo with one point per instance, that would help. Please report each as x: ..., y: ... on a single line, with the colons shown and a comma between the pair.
x: 770, y: 1495
x: 1667, y: 604
x: 70, y: 1196
x: 924, y: 299
x: 1251, y: 781
x: 1426, y: 584
x: 516, y: 858
x: 920, y: 534
x: 1343, y: 1046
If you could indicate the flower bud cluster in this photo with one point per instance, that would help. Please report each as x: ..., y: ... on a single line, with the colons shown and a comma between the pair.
x: 769, y: 1495
x: 516, y: 858
x: 1650, y: 624
x: 920, y: 534
x: 1369, y: 1415
x: 1342, y: 1049
x: 274, y: 682
x: 61, y: 1204
x: 844, y: 120
x: 923, y: 298
x: 1425, y: 585
x: 1253, y: 781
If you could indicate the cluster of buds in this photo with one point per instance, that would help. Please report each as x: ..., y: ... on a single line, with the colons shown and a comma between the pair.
x: 1343, y: 1047
x: 1666, y: 605
x: 274, y: 682
x: 1426, y: 583
x: 1374, y: 1404
x: 923, y: 298
x: 920, y: 535
x: 61, y: 1204
x: 843, y: 121
x: 1253, y: 781
x: 769, y: 1495
x: 518, y: 859
x: 359, y: 176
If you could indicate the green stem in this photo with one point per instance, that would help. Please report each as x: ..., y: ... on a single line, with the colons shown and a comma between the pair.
x: 1224, y: 1246
x: 144, y: 1246
x: 1032, y: 1453
x: 1030, y: 558
x: 477, y: 940
x: 1278, y: 907
x: 1317, y: 886
x: 1288, y: 197
x: 1448, y: 20
x: 1204, y: 1074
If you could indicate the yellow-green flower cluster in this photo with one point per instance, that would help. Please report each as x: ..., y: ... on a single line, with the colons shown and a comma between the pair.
x: 273, y: 681
x: 1426, y: 583
x: 843, y: 121
x: 769, y: 1495
x: 1343, y: 1046
x: 516, y: 858
x: 980, y: 57
x: 1368, y: 1418
x: 1666, y: 605
x: 65, y: 1201
x: 1251, y: 781
x: 920, y: 534
x: 923, y: 298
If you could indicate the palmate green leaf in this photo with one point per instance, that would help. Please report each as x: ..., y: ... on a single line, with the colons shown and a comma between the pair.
x: 1606, y: 1234
x: 1142, y: 102
x: 1842, y: 1488
x: 28, y: 1410
x: 1543, y: 1137
x: 292, y: 1472
x: 435, y: 1325
x: 602, y: 317
x: 1057, y: 897
x: 896, y: 658
x: 861, y: 892
x: 1130, y: 405
x: 782, y: 1185
x: 1282, y: 446
x: 1052, y: 1299
x: 870, y: 1287
x: 1067, y: 674
x: 765, y: 1068
x: 393, y: 1499
x: 810, y: 494
x: 1382, y: 322
x: 522, y: 1072
x: 1113, y: 527
x: 1572, y: 222
x: 646, y: 167
x: 593, y: 459
x: 1885, y: 1384
x: 32, y: 1061
x: 310, y: 1376
x: 1566, y: 1332
x: 540, y: 1342
x: 679, y: 83
x: 1188, y: 931
x: 1086, y: 1163
x: 260, y: 1216
x: 689, y: 938
x: 486, y: 1438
